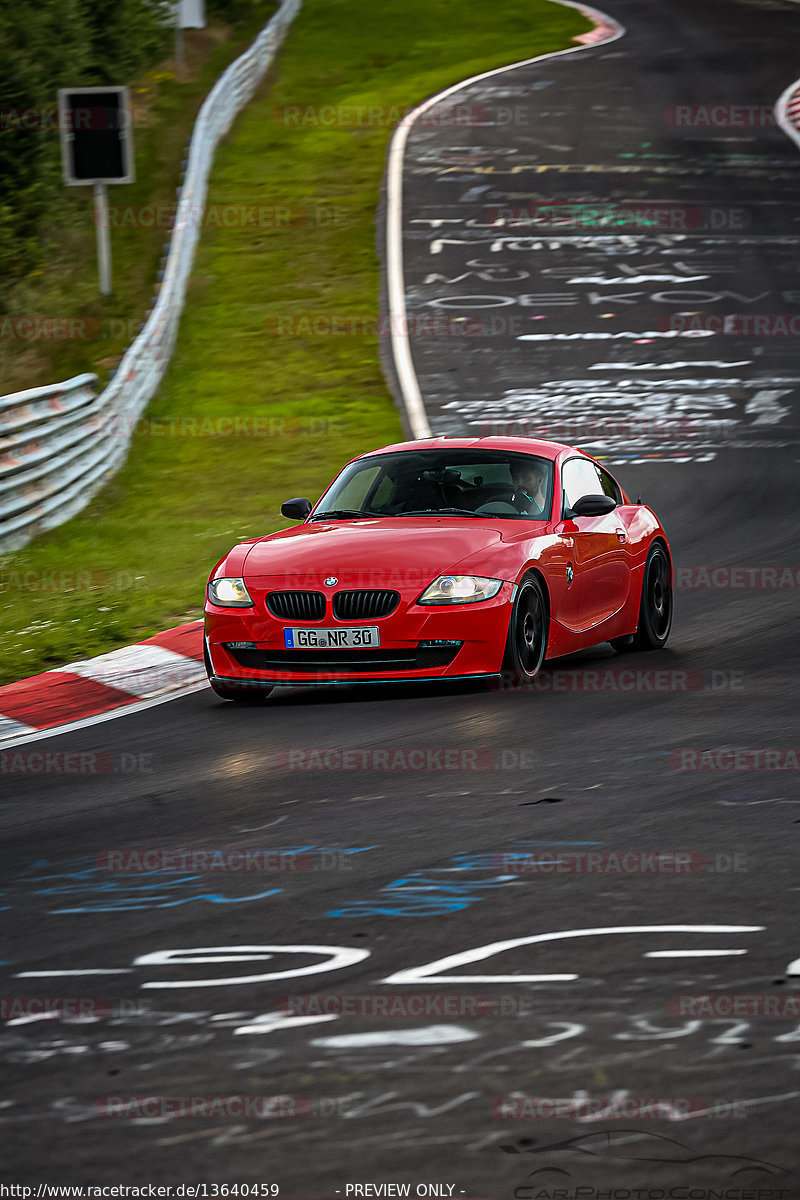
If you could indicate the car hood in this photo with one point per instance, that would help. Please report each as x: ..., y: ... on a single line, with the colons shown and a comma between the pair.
x: 373, y: 552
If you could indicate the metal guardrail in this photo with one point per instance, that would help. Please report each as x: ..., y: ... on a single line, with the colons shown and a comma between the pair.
x: 61, y: 443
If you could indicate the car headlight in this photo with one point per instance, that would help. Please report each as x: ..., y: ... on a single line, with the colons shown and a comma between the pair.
x: 229, y: 593
x: 460, y: 589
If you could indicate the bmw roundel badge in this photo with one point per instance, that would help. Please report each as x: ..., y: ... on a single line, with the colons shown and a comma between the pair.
x: 331, y: 581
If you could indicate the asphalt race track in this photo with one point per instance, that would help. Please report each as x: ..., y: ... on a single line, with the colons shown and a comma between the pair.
x: 360, y: 881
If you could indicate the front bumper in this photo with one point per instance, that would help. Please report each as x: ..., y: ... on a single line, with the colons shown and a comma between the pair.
x: 413, y: 644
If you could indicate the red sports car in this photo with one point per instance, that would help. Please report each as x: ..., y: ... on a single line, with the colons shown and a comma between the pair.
x: 449, y: 558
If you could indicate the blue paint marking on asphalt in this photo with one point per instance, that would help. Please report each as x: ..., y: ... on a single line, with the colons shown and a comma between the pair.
x: 110, y: 885
x: 95, y: 890
x: 422, y: 894
x: 212, y: 898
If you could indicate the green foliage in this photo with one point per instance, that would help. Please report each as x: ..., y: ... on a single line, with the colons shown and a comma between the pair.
x: 127, y: 37
x: 232, y: 10
x: 58, y: 43
x: 59, y: 247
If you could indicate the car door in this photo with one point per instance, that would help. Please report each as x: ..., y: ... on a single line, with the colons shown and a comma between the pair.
x: 601, y: 561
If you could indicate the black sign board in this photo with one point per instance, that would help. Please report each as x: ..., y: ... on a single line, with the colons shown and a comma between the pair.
x: 96, y: 142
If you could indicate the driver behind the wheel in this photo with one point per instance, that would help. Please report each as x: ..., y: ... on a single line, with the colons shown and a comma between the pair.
x: 530, y: 486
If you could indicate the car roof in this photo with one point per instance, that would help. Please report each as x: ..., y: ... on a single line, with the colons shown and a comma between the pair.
x: 522, y: 445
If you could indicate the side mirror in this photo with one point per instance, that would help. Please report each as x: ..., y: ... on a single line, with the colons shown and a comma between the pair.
x: 297, y: 509
x: 594, y: 506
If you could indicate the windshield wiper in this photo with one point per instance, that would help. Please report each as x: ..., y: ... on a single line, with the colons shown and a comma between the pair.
x: 434, y: 512
x: 341, y: 514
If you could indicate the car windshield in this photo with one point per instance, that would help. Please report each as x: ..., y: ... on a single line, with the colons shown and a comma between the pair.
x: 448, y: 482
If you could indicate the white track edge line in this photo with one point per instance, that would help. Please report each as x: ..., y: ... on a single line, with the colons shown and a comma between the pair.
x: 395, y: 277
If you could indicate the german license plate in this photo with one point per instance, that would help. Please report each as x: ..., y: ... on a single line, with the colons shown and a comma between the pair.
x: 352, y: 638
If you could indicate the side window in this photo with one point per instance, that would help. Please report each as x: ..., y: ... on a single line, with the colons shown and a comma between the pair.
x: 579, y: 478
x: 610, y: 486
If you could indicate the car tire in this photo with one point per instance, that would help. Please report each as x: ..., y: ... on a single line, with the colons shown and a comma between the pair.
x: 527, y: 631
x: 243, y: 695
x: 655, y: 609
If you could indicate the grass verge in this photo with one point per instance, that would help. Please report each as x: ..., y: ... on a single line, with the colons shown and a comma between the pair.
x: 136, y: 560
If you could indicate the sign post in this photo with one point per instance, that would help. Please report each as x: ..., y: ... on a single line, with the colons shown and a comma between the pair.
x: 103, y: 238
x: 189, y: 14
x: 97, y: 149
